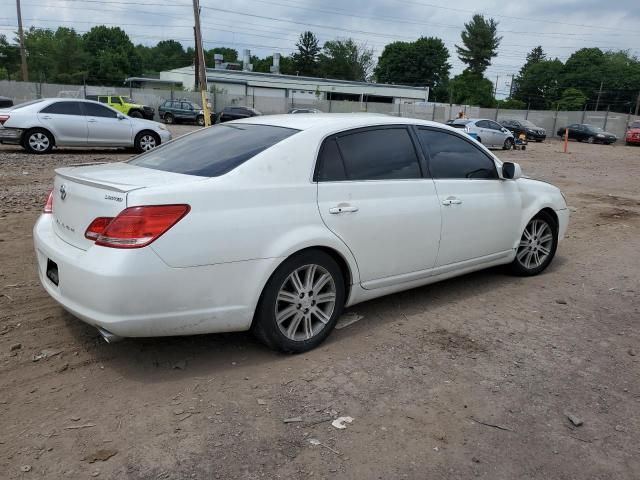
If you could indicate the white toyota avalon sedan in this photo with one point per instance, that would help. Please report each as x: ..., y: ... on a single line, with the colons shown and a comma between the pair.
x: 276, y: 223
x: 40, y: 125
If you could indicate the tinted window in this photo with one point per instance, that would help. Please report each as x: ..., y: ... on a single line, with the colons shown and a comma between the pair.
x: 213, y: 151
x: 186, y: 106
x: 63, y: 108
x: 330, y: 167
x: 379, y: 154
x: 495, y: 126
x: 116, y: 100
x: 451, y: 156
x: 482, y: 124
x: 102, y: 99
x: 95, y: 110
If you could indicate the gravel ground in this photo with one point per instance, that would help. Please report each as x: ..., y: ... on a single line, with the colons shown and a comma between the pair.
x: 473, y: 377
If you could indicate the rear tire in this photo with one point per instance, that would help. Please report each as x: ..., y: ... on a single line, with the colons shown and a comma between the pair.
x: 168, y: 119
x: 508, y: 144
x: 135, y: 114
x: 145, y: 141
x: 38, y: 141
x: 537, y: 246
x: 301, y: 303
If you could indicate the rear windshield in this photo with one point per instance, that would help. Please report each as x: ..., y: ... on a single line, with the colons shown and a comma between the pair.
x: 213, y: 151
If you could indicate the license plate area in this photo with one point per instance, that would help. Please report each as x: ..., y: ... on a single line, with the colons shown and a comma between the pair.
x: 52, y: 272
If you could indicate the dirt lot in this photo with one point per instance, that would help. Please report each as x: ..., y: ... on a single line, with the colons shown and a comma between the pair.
x: 473, y: 377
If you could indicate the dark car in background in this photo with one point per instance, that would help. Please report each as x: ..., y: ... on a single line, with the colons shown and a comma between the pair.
x: 234, y: 113
x: 532, y: 131
x: 5, y: 102
x: 175, y: 111
x: 583, y: 132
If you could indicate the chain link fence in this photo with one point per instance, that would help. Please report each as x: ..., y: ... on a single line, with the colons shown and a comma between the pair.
x: 550, y: 120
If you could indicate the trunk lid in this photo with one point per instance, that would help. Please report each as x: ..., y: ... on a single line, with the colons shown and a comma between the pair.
x: 83, y: 193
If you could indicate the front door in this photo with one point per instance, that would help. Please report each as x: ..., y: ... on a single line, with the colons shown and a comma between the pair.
x: 373, y: 196
x: 106, y: 126
x: 480, y: 212
x: 486, y: 133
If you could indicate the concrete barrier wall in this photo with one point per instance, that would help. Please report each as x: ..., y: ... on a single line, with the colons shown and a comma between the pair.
x: 549, y: 120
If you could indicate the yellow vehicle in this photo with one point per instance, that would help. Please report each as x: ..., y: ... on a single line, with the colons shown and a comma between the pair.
x: 125, y: 105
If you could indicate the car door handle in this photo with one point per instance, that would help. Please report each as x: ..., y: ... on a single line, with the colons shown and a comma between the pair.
x: 451, y: 201
x: 45, y: 117
x: 92, y: 120
x: 343, y: 209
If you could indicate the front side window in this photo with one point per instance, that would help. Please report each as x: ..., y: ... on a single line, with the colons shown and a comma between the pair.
x: 495, y: 126
x: 63, y: 108
x: 482, y: 124
x: 116, y: 100
x: 103, y: 99
x: 95, y: 110
x: 451, y: 156
x: 379, y: 154
x: 214, y: 151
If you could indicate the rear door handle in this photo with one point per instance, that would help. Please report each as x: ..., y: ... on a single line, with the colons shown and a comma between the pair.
x: 92, y: 120
x: 46, y: 117
x: 343, y: 209
x: 451, y: 201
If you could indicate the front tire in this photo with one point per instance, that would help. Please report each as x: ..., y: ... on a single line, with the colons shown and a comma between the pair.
x: 135, y: 114
x: 168, y: 119
x: 508, y: 144
x: 537, y: 246
x: 591, y: 140
x: 301, y: 303
x: 200, y: 120
x: 38, y: 141
x: 146, y: 141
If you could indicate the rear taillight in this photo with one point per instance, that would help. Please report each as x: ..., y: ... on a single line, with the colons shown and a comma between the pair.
x: 97, y: 227
x: 48, y: 206
x: 3, y: 118
x: 137, y: 227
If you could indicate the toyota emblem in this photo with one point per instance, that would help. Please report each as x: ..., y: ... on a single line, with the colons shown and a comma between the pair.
x: 63, y: 192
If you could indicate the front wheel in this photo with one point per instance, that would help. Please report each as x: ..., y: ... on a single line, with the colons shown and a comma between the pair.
x: 508, y: 144
x: 200, y: 120
x: 537, y: 245
x: 301, y: 303
x: 146, y: 141
x: 591, y: 140
x: 168, y: 119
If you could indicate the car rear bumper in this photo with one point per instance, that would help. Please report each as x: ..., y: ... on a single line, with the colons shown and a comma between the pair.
x: 11, y: 135
x: 133, y: 293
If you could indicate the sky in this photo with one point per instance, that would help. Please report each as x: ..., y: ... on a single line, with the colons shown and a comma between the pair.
x: 267, y: 26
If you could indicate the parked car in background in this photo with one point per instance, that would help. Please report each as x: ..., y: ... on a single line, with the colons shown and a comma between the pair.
x: 487, y: 132
x: 583, y: 132
x: 633, y: 134
x: 40, y: 125
x: 5, y: 102
x: 236, y: 113
x: 125, y: 105
x: 304, y: 110
x: 174, y: 111
x: 273, y: 224
x: 532, y: 131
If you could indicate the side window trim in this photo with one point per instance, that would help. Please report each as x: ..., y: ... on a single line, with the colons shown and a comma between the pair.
x: 469, y: 140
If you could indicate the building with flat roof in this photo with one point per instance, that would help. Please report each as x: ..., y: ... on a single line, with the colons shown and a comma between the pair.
x: 274, y: 85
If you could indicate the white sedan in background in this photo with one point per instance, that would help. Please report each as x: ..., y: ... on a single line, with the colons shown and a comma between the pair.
x: 276, y: 223
x: 40, y: 125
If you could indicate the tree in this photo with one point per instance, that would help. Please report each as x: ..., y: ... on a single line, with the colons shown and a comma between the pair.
x: 423, y: 63
x: 306, y: 58
x: 112, y: 56
x: 10, y: 58
x: 346, y: 60
x: 572, y: 99
x: 481, y: 42
x: 470, y: 88
x: 534, y: 57
x: 540, y: 84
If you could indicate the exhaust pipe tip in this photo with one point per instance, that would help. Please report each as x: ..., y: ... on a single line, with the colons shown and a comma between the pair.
x: 108, y: 336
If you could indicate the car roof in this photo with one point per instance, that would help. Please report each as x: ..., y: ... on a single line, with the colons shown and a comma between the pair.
x: 337, y: 121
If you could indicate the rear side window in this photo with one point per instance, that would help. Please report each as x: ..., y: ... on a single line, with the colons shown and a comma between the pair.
x: 214, y: 151
x: 379, y: 154
x: 116, y: 100
x: 63, y: 108
x: 453, y: 157
x: 103, y: 99
x: 330, y: 167
x: 483, y: 124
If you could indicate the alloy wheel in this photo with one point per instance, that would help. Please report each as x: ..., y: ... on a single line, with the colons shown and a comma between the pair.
x: 305, y: 302
x: 147, y: 142
x: 535, y: 244
x: 39, y: 142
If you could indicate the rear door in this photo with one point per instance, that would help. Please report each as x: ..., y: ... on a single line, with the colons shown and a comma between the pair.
x: 373, y: 196
x: 485, y: 133
x: 66, y: 121
x: 106, y: 127
x: 480, y: 212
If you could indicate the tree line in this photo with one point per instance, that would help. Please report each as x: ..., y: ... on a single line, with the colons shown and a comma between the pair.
x: 106, y: 56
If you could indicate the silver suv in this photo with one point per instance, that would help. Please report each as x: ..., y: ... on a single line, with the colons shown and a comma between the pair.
x: 489, y: 133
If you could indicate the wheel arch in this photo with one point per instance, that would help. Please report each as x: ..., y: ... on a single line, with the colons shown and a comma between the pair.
x: 37, y: 127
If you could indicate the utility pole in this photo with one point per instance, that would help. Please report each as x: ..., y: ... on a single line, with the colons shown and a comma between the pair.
x: 495, y: 90
x: 23, y: 54
x: 511, y: 87
x: 599, y: 93
x: 196, y: 61
x: 202, y: 71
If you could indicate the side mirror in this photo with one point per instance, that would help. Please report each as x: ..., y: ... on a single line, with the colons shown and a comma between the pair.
x: 511, y: 171
x: 505, y: 130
